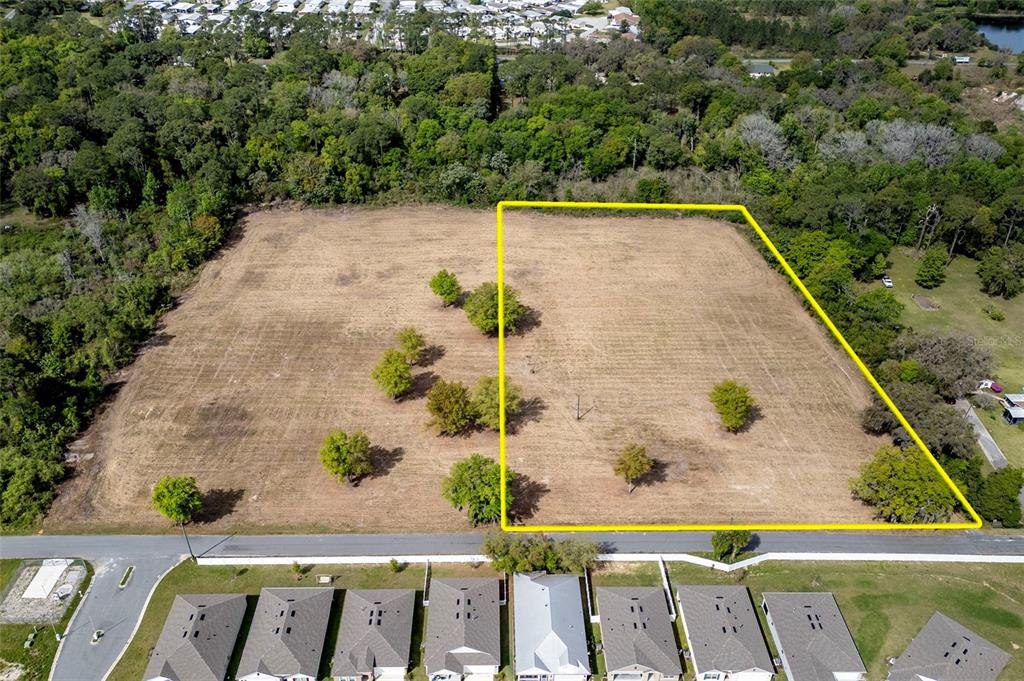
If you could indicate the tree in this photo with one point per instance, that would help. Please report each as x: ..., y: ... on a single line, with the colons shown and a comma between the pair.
x: 537, y: 552
x: 486, y: 405
x: 932, y: 270
x: 734, y: 404
x: 474, y: 485
x: 412, y: 344
x: 347, y: 457
x: 446, y: 286
x: 1001, y: 270
x: 449, y: 405
x: 633, y: 464
x: 904, y: 487
x: 955, y: 363
x: 393, y: 374
x: 729, y: 542
x: 482, y: 308
x: 177, y: 498
x: 998, y: 498
x: 942, y: 428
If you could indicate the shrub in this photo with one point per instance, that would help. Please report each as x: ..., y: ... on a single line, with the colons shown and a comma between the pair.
x: 903, y: 487
x: 531, y: 553
x: 449, y: 405
x: 446, y: 286
x: 734, y: 404
x: 994, y: 313
x: 346, y: 456
x: 729, y: 542
x: 482, y: 308
x: 393, y: 375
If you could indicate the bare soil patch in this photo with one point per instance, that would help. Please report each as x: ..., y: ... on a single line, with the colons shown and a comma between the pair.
x: 274, y: 346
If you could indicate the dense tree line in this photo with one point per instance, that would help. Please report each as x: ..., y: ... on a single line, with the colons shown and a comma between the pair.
x: 144, y: 144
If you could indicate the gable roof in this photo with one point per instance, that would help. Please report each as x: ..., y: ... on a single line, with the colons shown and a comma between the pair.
x: 198, y: 637
x: 375, y: 631
x: 945, y: 650
x: 723, y: 630
x: 636, y: 631
x: 813, y: 635
x: 287, y: 632
x: 463, y: 625
x: 549, y: 624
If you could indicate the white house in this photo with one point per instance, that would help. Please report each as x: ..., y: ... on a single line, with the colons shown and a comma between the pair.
x: 550, y: 638
x: 1013, y: 408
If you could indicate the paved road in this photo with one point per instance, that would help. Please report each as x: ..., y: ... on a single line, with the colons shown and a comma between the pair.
x: 992, y: 451
x: 117, y: 610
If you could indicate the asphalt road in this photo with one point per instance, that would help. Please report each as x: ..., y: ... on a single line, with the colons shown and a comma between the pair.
x: 117, y: 610
x: 992, y: 451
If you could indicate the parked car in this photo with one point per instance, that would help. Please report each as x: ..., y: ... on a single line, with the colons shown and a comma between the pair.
x: 887, y: 281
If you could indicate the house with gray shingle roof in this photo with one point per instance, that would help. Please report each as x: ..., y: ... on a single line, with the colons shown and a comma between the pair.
x: 197, y: 639
x: 375, y: 635
x: 639, y: 644
x: 812, y: 637
x: 723, y: 635
x: 550, y: 639
x: 945, y: 650
x: 286, y: 638
x: 463, y: 638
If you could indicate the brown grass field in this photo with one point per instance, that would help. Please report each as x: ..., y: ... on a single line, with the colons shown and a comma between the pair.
x: 639, y: 317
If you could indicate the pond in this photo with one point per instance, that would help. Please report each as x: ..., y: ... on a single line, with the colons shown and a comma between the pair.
x: 1005, y: 36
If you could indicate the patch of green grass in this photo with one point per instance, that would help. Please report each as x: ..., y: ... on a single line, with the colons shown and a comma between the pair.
x: 38, y: 659
x: 961, y: 310
x: 886, y: 604
x: 188, y: 578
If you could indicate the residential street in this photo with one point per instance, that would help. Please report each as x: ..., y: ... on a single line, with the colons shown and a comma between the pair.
x: 992, y: 451
x: 118, y: 610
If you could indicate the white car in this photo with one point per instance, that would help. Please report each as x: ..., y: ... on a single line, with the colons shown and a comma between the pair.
x: 887, y: 281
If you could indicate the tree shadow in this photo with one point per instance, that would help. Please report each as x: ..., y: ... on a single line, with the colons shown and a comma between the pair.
x: 528, y: 322
x: 526, y: 496
x: 158, y: 340
x: 421, y: 384
x: 218, y: 503
x: 658, y: 473
x: 430, y: 355
x: 384, y: 460
x: 754, y: 416
x: 530, y: 411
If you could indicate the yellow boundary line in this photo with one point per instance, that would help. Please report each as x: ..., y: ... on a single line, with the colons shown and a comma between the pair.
x: 730, y: 208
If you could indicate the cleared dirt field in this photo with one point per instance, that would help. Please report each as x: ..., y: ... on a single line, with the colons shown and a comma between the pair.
x: 273, y: 348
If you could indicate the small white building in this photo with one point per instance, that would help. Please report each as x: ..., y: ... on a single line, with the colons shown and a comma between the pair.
x: 550, y: 638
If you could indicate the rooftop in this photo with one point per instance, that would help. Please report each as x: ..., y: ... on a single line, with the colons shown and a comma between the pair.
x: 722, y: 628
x: 636, y: 630
x: 375, y: 631
x: 945, y: 650
x: 812, y: 632
x: 198, y: 637
x: 463, y: 625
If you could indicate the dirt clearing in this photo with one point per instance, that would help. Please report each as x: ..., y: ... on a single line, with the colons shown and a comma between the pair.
x: 274, y: 346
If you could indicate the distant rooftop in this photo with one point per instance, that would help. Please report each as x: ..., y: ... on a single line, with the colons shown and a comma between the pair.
x: 945, y: 650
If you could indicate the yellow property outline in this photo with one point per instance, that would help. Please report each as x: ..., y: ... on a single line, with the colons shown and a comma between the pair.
x: 730, y: 208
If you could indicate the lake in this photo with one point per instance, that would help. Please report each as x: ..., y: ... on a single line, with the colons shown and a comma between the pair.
x: 1005, y: 36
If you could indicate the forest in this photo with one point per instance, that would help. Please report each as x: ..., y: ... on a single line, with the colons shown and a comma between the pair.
x: 134, y: 151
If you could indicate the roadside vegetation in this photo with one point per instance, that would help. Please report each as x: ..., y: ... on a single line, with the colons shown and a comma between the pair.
x: 135, y: 150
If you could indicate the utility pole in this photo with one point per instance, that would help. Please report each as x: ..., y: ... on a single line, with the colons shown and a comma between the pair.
x: 188, y: 543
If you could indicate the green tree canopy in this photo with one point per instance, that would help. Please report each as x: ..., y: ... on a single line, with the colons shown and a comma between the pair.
x: 734, y: 404
x: 998, y: 498
x: 177, y: 498
x: 449, y: 405
x: 474, y: 485
x: 446, y: 286
x: 347, y: 457
x: 632, y: 464
x: 481, y: 308
x: 392, y: 373
x: 932, y: 270
x: 1001, y: 270
x: 412, y: 344
x: 486, y: 403
x: 729, y: 542
x: 537, y: 552
x: 904, y: 487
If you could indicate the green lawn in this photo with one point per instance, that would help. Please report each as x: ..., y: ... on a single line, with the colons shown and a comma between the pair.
x: 885, y: 604
x: 37, y: 659
x: 190, y: 578
x: 961, y: 304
